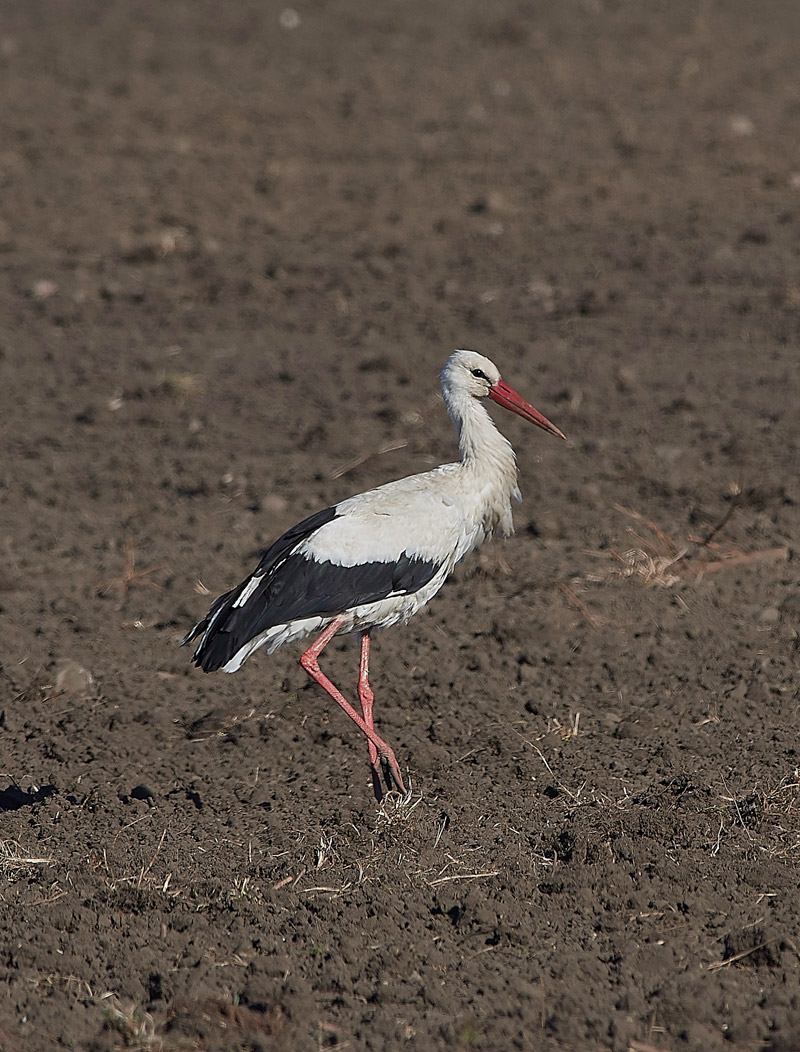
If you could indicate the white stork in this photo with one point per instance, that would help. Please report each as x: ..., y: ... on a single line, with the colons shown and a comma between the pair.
x: 375, y: 559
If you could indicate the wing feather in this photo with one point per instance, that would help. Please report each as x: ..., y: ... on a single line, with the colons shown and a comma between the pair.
x: 290, y: 584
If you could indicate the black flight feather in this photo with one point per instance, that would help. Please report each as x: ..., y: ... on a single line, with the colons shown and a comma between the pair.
x: 292, y: 586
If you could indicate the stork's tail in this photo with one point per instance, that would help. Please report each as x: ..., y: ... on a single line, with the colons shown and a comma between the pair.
x: 213, y: 649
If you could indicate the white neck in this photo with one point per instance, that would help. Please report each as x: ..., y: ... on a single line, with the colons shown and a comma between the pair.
x: 485, y: 453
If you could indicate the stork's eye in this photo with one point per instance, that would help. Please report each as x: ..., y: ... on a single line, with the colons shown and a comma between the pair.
x: 480, y: 375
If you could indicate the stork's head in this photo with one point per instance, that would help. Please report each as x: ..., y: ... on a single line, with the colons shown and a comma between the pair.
x: 468, y: 374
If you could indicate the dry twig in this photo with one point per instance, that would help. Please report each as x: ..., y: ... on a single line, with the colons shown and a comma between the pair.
x: 714, y: 966
x: 351, y: 465
x: 659, y: 561
x: 130, y: 575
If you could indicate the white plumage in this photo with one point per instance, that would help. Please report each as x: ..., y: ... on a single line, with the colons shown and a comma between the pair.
x: 374, y: 559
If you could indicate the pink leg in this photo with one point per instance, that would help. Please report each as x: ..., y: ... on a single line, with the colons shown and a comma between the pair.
x: 367, y: 699
x: 310, y: 662
x: 365, y: 693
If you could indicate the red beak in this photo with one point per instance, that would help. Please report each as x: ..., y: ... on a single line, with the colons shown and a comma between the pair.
x: 508, y: 398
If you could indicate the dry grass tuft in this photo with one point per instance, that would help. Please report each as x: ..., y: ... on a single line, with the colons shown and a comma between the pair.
x: 181, y: 386
x: 396, y: 808
x: 780, y: 807
x: 135, y: 1025
x: 769, y: 819
x: 656, y: 560
x: 14, y: 863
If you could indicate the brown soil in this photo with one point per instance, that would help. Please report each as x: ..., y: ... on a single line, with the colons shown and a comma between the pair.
x: 236, y: 250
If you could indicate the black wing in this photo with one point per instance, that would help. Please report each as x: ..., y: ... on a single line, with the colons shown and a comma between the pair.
x: 209, y: 655
x: 287, y: 586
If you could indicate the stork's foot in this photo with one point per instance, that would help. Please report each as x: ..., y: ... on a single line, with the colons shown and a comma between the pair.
x: 390, y: 769
x: 386, y: 777
x: 377, y: 781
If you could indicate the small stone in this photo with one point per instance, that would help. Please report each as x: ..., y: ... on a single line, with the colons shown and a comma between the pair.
x: 741, y: 126
x: 626, y: 377
x: 275, y: 503
x: 44, y: 289
x: 289, y: 18
x: 73, y: 678
x: 669, y: 454
x: 546, y: 526
x: 590, y: 493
